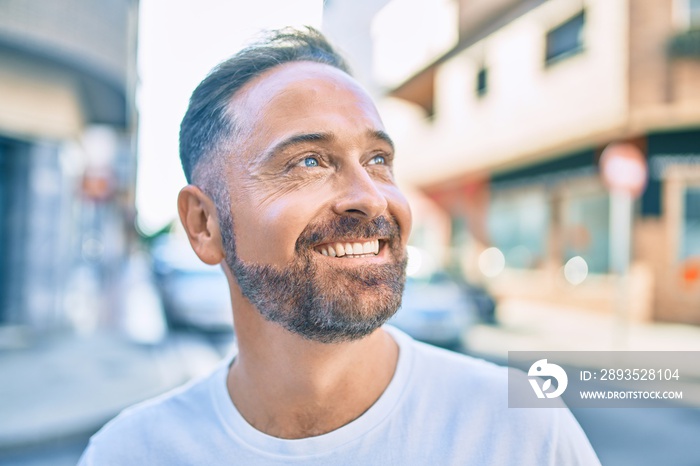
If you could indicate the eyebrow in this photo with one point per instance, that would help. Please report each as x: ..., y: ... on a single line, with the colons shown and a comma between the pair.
x: 319, y: 137
x: 382, y: 136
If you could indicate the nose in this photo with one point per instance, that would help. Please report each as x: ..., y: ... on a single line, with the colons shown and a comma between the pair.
x: 359, y: 194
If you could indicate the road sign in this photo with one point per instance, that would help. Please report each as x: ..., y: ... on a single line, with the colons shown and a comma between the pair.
x: 624, y: 168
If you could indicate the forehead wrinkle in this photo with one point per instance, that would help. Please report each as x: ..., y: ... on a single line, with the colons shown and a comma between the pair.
x: 325, y: 137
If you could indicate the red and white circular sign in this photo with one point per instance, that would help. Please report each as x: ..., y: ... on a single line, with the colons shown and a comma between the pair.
x: 624, y: 168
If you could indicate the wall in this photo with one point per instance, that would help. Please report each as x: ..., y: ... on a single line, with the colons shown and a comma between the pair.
x: 530, y: 110
x: 663, y: 90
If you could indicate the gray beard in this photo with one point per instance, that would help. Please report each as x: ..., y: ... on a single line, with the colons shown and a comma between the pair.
x: 341, y: 305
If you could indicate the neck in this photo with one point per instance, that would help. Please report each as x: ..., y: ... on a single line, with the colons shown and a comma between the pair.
x: 290, y: 387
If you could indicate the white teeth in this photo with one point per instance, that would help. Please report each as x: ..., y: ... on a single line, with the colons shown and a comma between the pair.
x: 350, y: 249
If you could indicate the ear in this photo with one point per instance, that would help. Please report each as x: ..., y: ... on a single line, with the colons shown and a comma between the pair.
x: 198, y: 216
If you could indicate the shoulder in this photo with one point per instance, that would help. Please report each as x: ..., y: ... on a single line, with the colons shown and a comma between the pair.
x: 156, y: 425
x: 446, y: 378
x: 178, y: 403
x: 453, y: 368
x: 471, y: 387
x: 465, y: 399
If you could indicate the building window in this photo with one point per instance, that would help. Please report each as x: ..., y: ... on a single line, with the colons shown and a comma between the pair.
x: 482, y: 81
x: 565, y: 40
x: 518, y: 224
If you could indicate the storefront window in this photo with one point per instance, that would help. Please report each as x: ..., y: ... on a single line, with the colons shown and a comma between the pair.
x: 586, y: 229
x: 690, y: 231
x: 14, y: 185
x: 519, y: 226
x: 4, y: 227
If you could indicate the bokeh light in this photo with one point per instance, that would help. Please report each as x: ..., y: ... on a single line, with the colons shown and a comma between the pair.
x: 492, y: 262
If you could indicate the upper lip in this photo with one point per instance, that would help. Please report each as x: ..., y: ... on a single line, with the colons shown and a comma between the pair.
x: 347, y: 240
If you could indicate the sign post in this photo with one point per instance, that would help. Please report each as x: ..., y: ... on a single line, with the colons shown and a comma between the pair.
x: 624, y: 170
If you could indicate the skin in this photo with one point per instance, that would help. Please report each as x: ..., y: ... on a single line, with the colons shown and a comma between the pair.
x: 283, y: 384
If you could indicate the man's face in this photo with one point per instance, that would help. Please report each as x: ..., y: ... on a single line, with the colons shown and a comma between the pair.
x: 320, y: 225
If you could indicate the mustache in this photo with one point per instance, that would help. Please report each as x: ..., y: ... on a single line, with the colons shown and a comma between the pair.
x: 348, y: 227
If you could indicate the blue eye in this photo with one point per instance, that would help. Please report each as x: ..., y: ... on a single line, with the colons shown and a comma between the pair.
x: 378, y: 160
x: 311, y: 162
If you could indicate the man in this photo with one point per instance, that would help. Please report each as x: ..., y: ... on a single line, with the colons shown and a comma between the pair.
x: 292, y: 191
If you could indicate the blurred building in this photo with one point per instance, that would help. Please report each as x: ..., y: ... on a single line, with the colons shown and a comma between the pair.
x: 514, y: 119
x: 67, y: 160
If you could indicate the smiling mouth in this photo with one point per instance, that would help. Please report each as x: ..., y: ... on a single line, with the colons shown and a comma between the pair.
x: 350, y: 250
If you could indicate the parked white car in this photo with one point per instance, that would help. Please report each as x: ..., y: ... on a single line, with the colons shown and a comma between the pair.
x: 435, y: 310
x: 195, y: 295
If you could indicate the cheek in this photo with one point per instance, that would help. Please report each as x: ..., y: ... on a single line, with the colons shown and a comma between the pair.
x: 267, y: 234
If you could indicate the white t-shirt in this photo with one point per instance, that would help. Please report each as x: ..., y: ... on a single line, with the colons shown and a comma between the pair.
x: 440, y: 408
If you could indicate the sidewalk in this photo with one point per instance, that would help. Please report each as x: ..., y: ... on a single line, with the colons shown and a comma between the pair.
x: 70, y: 385
x: 530, y: 326
x: 66, y: 386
